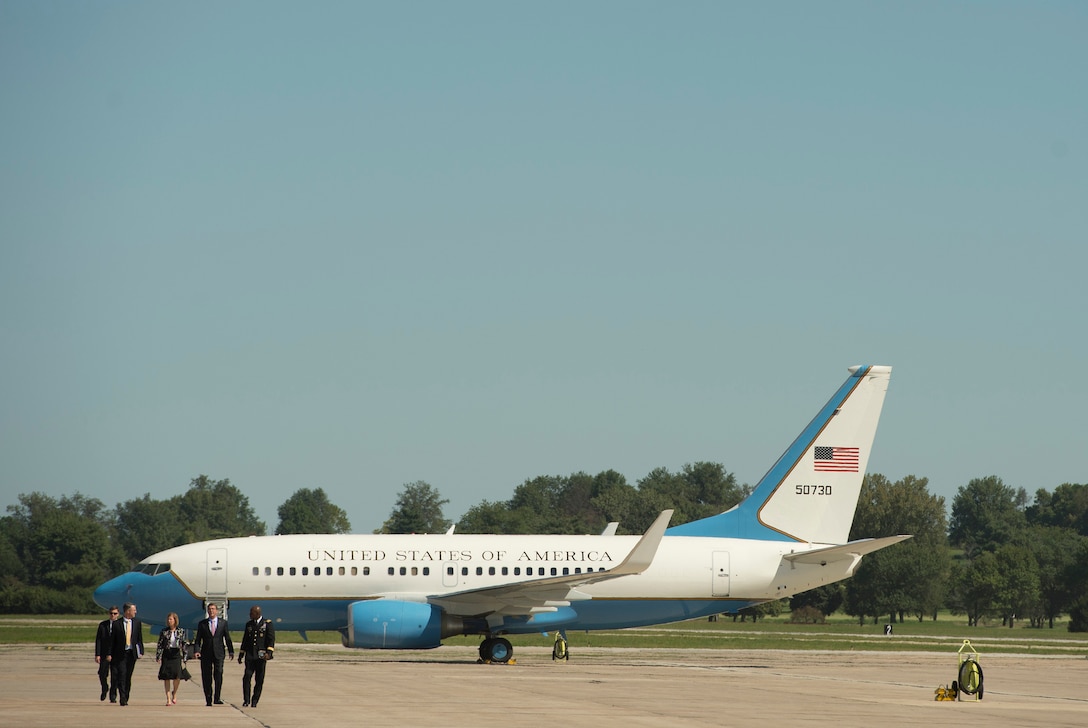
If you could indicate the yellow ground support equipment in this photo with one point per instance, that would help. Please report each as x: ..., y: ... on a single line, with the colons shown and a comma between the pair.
x: 969, y: 683
x: 560, y: 649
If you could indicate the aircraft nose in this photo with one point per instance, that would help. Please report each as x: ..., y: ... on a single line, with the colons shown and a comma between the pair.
x: 114, y: 591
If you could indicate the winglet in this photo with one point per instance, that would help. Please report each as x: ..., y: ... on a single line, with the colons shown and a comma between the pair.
x: 642, y: 555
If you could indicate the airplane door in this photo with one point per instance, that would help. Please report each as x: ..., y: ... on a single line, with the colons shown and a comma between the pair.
x: 449, y: 573
x: 217, y: 571
x: 720, y: 586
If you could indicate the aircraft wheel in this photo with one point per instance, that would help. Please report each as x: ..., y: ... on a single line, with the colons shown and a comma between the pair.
x: 496, y: 649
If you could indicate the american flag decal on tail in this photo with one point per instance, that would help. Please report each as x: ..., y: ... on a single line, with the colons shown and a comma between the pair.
x: 836, y: 459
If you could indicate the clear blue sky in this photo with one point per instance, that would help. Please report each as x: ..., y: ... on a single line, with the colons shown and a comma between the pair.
x: 355, y: 245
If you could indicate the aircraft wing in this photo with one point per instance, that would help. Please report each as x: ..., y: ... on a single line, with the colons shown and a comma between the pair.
x: 852, y: 551
x: 551, y: 592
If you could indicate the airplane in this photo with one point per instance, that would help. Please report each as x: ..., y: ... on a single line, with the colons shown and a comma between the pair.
x: 411, y: 591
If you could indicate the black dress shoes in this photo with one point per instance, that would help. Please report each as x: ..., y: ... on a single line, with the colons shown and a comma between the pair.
x: 219, y: 702
x: 103, y: 696
x: 245, y: 704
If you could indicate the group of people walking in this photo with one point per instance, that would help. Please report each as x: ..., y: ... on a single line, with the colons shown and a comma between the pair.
x: 119, y: 643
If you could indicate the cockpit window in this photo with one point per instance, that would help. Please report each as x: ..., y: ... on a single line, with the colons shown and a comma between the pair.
x: 152, y: 569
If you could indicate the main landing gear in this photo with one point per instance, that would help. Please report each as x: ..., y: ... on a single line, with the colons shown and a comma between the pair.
x: 496, y: 649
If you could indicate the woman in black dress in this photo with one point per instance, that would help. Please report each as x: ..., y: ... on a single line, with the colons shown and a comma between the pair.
x: 169, y: 654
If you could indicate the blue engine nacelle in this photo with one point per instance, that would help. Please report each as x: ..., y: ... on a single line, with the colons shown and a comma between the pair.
x: 389, y: 624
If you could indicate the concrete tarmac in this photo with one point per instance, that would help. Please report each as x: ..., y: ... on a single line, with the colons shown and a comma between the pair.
x: 326, y: 686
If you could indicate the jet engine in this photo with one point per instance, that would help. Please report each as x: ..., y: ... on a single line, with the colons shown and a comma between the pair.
x: 391, y: 624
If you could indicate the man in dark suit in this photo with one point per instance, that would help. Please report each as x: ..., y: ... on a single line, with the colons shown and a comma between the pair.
x: 103, y: 654
x: 212, y: 646
x: 258, y: 643
x: 128, y: 646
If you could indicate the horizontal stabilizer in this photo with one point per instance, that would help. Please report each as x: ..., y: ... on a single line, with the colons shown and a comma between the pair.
x: 846, y: 552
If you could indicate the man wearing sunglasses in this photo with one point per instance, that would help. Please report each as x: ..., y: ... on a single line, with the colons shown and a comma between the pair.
x: 103, y: 649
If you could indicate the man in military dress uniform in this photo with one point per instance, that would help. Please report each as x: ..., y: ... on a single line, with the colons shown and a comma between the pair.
x: 256, y: 649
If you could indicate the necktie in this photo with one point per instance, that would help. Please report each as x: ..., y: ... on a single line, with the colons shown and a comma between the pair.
x: 214, y: 622
x: 128, y: 633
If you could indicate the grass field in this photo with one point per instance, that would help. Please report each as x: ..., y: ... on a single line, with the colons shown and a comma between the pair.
x: 839, y: 633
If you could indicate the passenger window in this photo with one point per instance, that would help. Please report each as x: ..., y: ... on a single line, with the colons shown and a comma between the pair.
x: 292, y: 571
x: 554, y: 571
x: 426, y: 571
x: 464, y: 571
x: 403, y: 570
x: 256, y: 571
x: 505, y: 571
x: 305, y: 570
x: 328, y: 571
x: 366, y: 571
x: 342, y: 571
x: 566, y: 571
x: 392, y: 571
x: 355, y: 571
x: 449, y: 571
x: 517, y: 571
x: 479, y: 571
x: 268, y: 571
x: 279, y: 571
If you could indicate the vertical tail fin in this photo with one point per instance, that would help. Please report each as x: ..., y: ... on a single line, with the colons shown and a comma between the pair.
x: 811, y: 493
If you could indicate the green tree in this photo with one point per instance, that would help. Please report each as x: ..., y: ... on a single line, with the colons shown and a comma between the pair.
x: 418, y: 510
x: 64, y: 551
x: 880, y: 586
x: 826, y: 599
x: 633, y: 509
x: 310, y: 511
x: 698, y: 491
x: 145, y: 526
x: 488, y: 517
x: 578, y: 503
x: 1077, y: 578
x: 1018, y: 593
x: 1055, y: 551
x: 976, y: 586
x: 216, y: 509
x: 910, y: 577
x: 985, y: 514
x: 1066, y: 507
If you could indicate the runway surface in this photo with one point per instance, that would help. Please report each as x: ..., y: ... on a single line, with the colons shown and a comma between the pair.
x: 324, y: 685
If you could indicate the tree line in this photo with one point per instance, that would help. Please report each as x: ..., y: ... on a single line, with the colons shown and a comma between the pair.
x: 1001, y: 556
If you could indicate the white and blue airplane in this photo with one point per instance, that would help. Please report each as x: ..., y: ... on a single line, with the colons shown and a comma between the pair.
x: 391, y: 591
